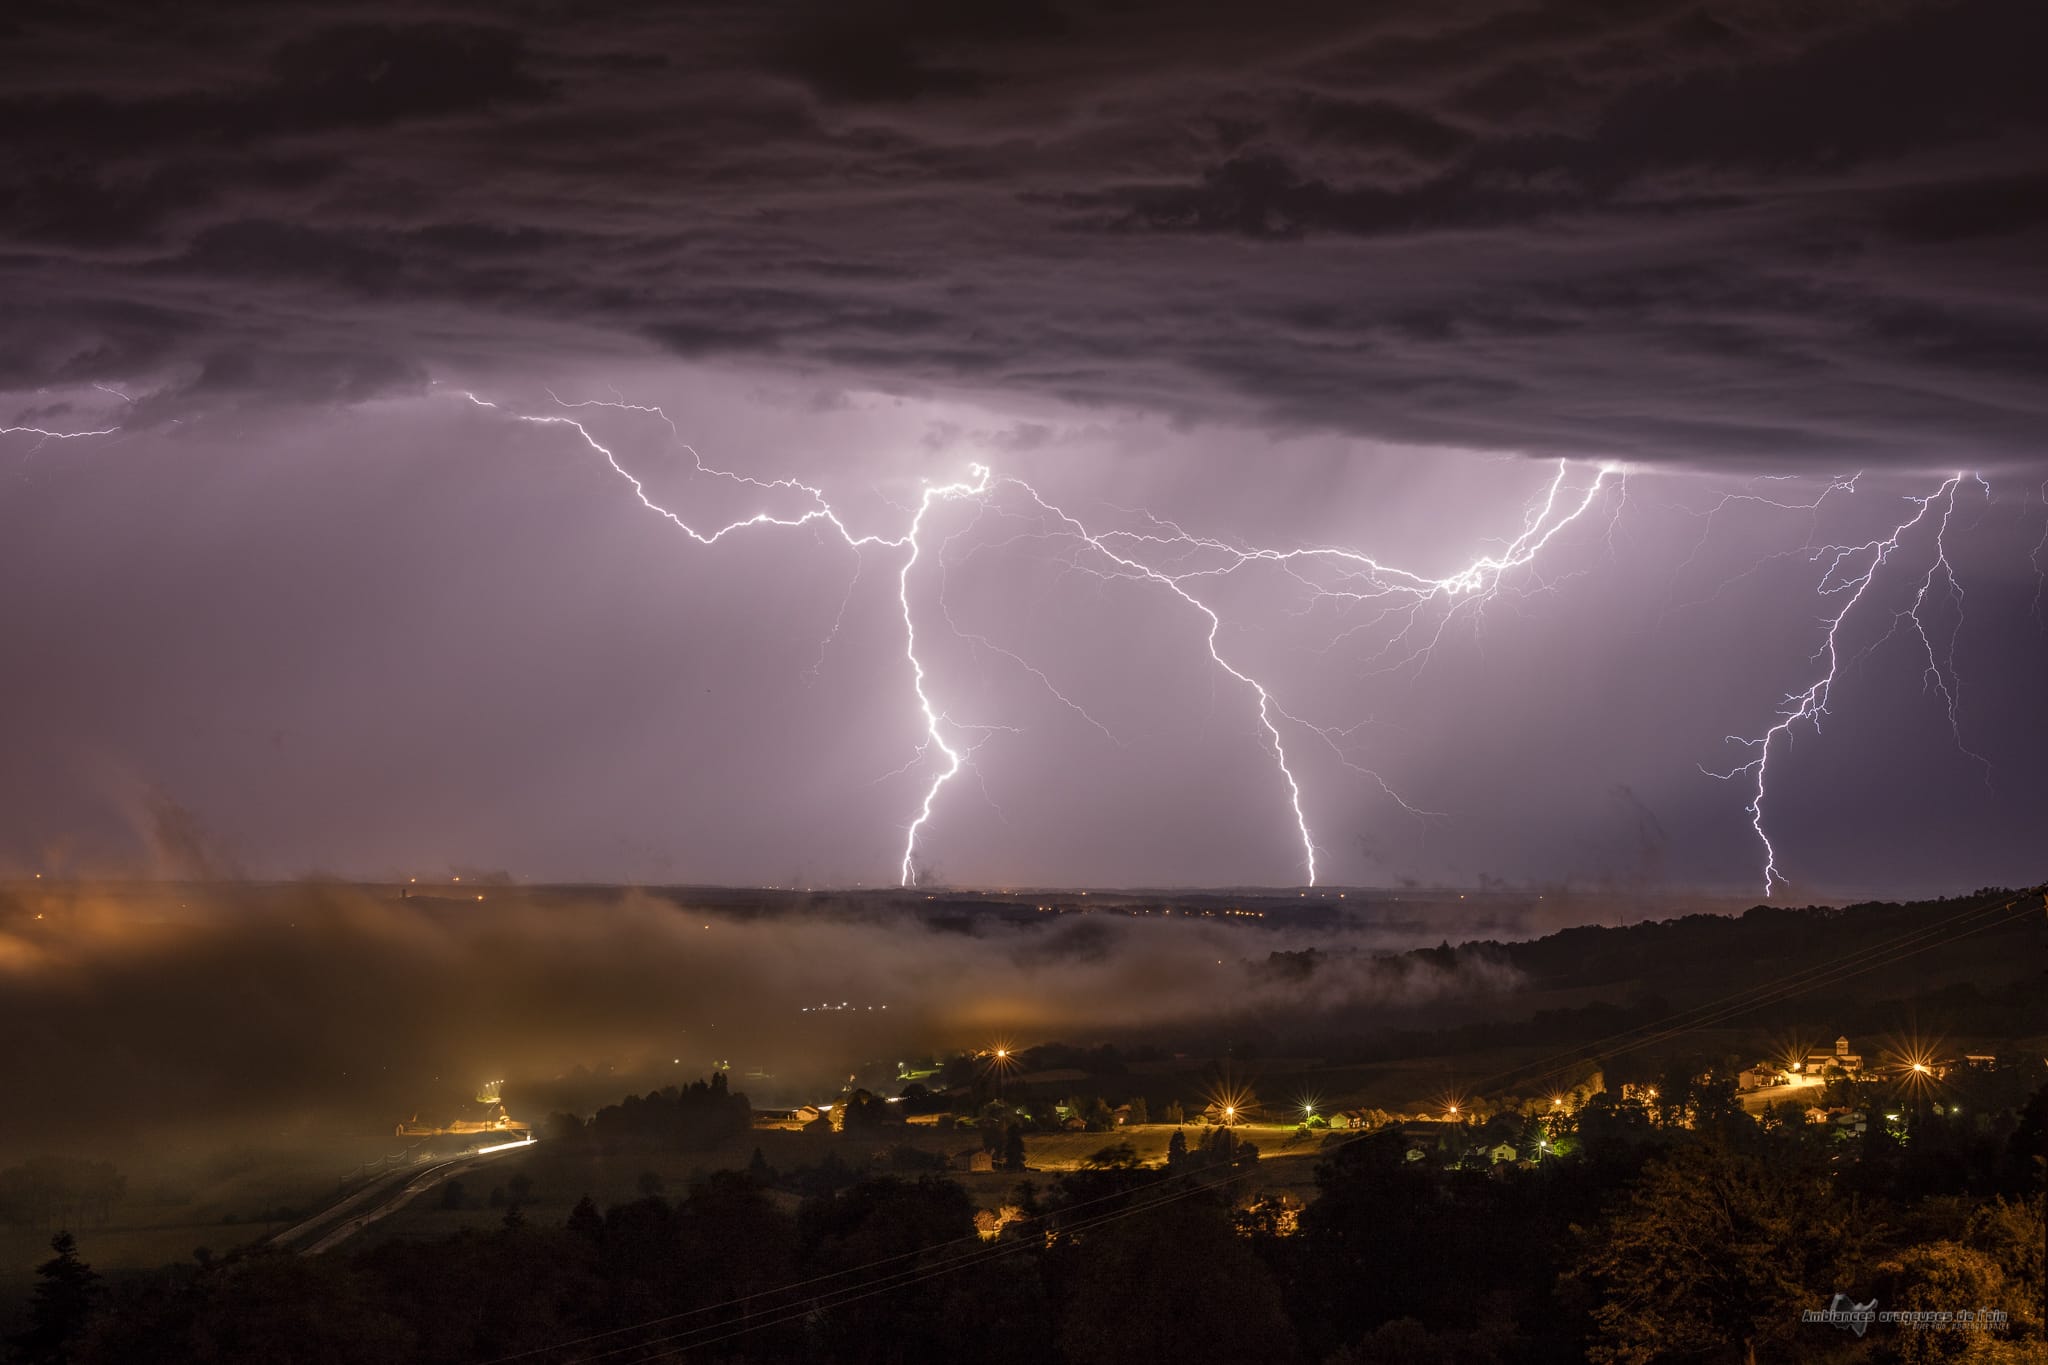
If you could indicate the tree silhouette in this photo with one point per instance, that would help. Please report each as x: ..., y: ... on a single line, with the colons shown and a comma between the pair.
x: 66, y: 1291
x: 1175, y: 1284
x: 585, y: 1220
x: 1712, y: 1247
x: 1013, y: 1149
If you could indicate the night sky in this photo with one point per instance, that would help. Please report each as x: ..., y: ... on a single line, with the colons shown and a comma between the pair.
x: 1745, y: 277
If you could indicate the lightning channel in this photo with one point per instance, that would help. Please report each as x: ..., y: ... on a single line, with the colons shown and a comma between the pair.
x: 1159, y: 553
x: 49, y: 435
x: 2040, y: 549
x: 1848, y: 575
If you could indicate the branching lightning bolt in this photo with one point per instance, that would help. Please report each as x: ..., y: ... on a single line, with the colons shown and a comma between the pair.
x: 2040, y: 548
x: 1363, y: 594
x: 1849, y: 573
x: 1162, y: 555
x: 822, y: 511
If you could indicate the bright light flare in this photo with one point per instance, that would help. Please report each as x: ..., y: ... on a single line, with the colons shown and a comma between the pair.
x: 1230, y: 1101
x: 526, y: 1141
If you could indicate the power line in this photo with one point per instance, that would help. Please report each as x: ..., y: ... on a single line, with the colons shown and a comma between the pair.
x: 1789, y: 986
x: 975, y: 1239
x: 792, y: 1312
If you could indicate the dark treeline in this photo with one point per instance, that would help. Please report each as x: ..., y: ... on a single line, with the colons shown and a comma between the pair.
x: 691, y: 1117
x: 1976, y: 972
x: 1683, y: 1231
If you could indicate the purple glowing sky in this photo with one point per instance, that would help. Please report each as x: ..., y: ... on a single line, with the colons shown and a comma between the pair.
x: 1322, y: 282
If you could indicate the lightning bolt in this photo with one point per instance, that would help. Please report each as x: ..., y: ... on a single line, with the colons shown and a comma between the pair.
x: 48, y: 435
x: 45, y: 435
x: 1266, y: 706
x: 1939, y: 673
x: 1709, y: 516
x: 976, y: 486
x: 1162, y: 555
x: 954, y: 758
x: 2040, y: 548
x: 1849, y: 573
x: 1362, y: 594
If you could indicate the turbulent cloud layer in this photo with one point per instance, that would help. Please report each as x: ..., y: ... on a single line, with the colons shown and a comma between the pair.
x: 1698, y: 230
x: 1290, y: 276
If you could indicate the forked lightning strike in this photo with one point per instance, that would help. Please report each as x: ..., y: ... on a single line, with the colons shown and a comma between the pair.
x: 934, y: 735
x: 1354, y: 578
x: 1851, y: 570
x: 1165, y: 556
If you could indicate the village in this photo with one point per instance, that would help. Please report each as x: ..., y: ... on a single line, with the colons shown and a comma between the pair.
x: 1006, y: 1111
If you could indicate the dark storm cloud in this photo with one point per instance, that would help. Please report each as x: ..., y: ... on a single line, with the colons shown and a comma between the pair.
x: 1708, y: 230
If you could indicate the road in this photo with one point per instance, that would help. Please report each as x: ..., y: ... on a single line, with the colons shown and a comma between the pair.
x: 377, y: 1200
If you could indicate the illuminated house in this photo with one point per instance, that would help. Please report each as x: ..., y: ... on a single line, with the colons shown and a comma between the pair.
x: 500, y: 1122
x: 1817, y: 1063
x: 1761, y: 1077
